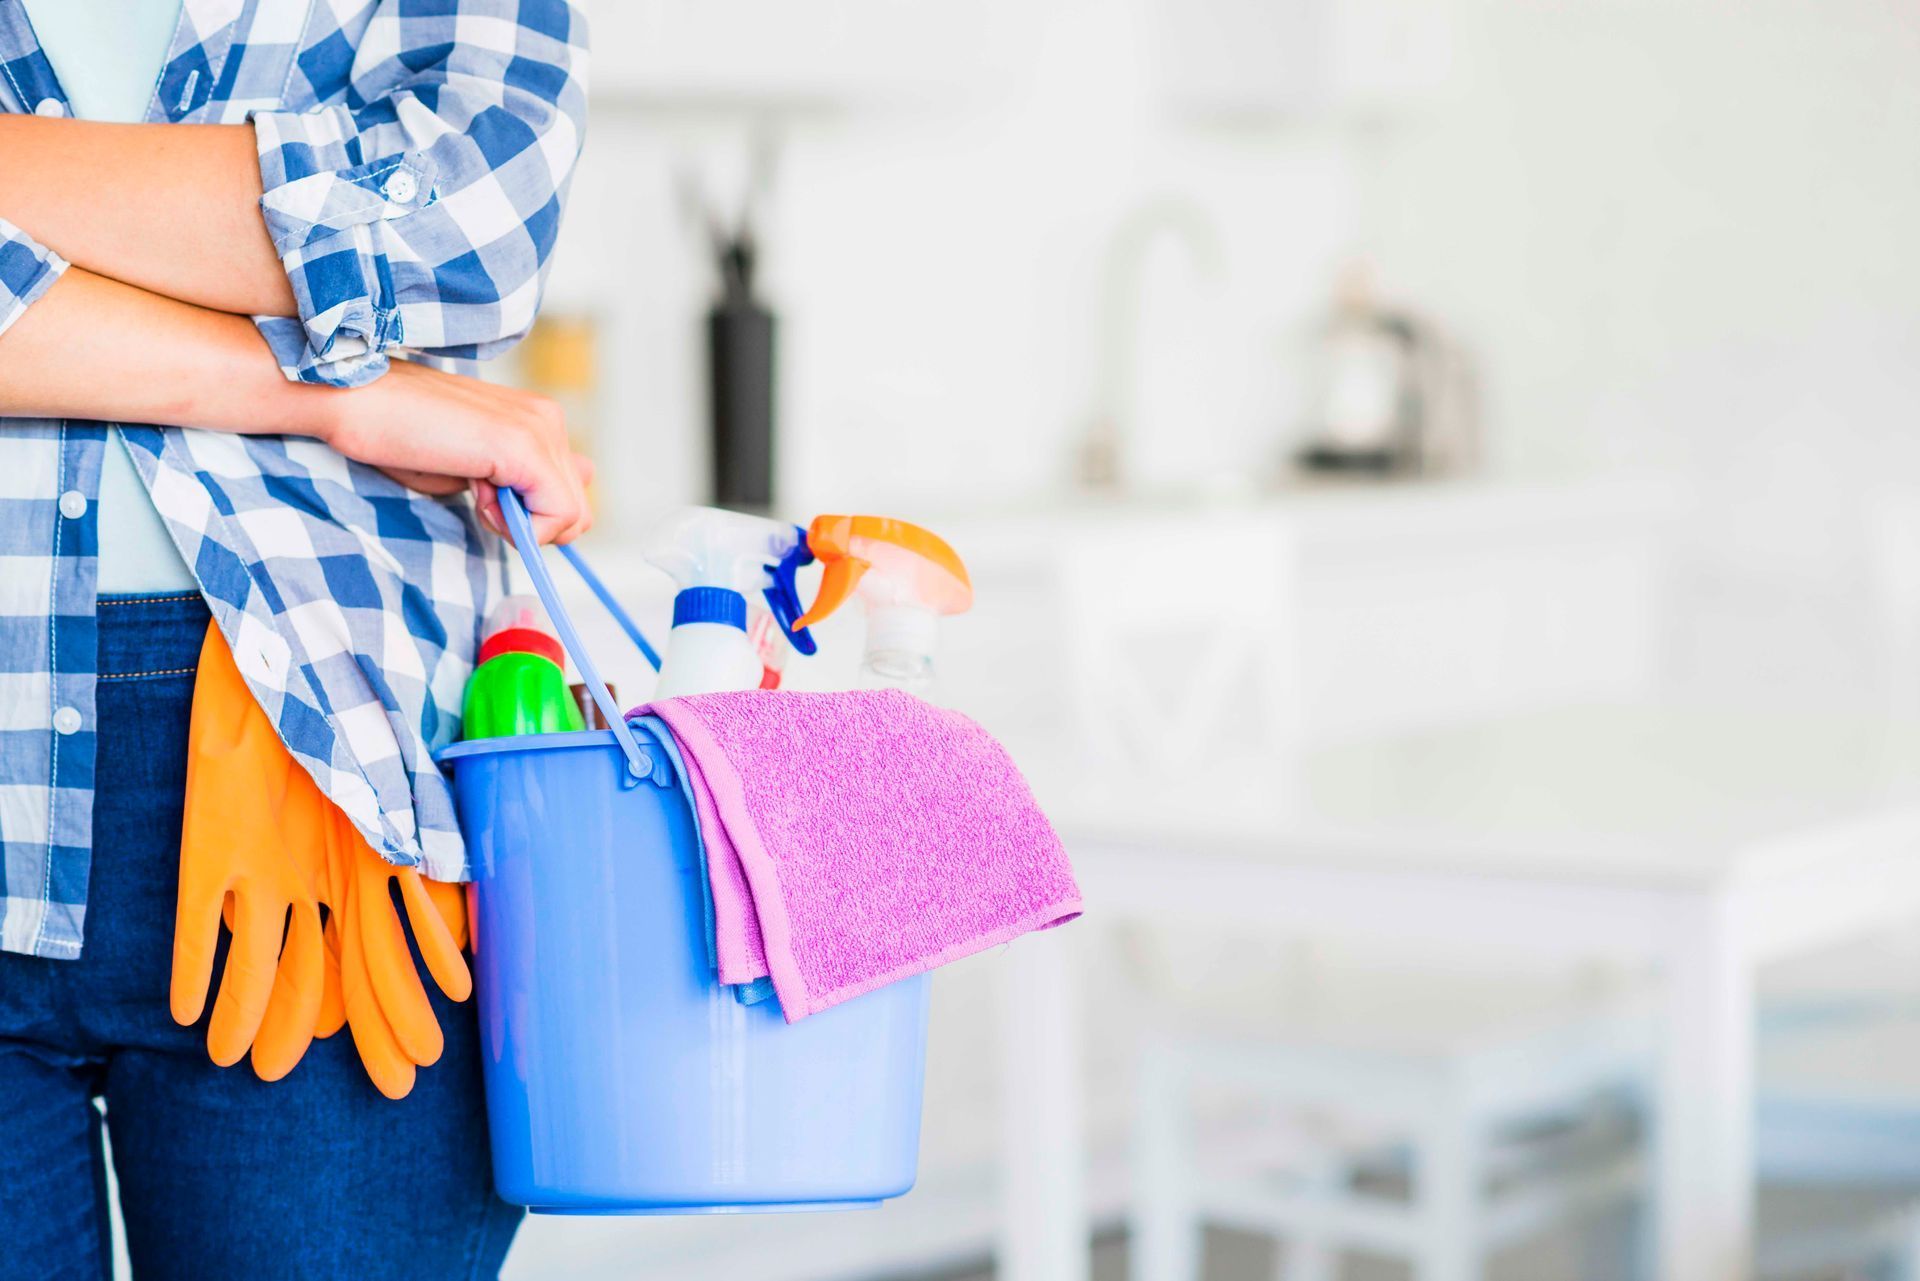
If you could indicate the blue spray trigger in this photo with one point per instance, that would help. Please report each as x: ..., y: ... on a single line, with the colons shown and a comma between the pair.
x: 783, y: 593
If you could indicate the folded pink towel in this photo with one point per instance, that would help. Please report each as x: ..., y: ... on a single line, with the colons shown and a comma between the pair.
x: 859, y: 838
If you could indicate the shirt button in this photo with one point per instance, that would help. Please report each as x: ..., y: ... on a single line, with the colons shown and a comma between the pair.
x: 73, y: 504
x: 49, y: 107
x: 67, y: 720
x: 401, y: 187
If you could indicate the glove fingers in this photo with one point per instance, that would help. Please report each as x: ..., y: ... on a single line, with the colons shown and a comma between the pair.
x: 390, y: 1070
x: 428, y: 912
x: 333, y: 882
x: 247, y: 983
x: 293, y: 1010
x: 333, y: 1007
x: 454, y: 902
x: 196, y: 935
x: 396, y: 983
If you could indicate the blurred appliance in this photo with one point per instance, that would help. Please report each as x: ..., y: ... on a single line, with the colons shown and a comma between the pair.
x: 1391, y: 393
x: 741, y: 336
x: 740, y: 345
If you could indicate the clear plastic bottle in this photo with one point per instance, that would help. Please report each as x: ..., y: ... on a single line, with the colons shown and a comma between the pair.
x: 899, y: 653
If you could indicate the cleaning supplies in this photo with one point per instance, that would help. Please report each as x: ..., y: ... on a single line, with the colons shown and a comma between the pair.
x: 931, y: 849
x: 907, y: 576
x: 721, y: 559
x: 620, y: 1076
x: 262, y: 846
x: 520, y: 684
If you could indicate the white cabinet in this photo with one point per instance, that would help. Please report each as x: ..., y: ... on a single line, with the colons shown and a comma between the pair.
x: 1401, y: 607
x: 1252, y: 57
x: 790, y: 52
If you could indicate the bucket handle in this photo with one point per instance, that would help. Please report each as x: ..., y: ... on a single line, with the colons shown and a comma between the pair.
x: 639, y: 764
x: 611, y: 603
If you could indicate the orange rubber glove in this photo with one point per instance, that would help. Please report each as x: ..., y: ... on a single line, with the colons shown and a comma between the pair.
x: 235, y: 861
x: 296, y: 1014
x: 393, y: 1024
x: 261, y: 839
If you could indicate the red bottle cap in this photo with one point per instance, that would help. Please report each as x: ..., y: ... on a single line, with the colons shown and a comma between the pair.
x: 523, y: 640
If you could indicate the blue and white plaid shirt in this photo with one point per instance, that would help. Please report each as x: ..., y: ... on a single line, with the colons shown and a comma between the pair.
x: 415, y: 155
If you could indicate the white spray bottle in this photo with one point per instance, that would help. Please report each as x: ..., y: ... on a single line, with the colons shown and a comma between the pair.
x: 906, y: 576
x: 720, y: 559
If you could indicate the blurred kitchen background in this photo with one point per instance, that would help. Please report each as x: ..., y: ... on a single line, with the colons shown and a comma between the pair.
x: 1441, y: 484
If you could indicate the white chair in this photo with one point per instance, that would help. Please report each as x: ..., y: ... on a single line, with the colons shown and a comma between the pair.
x: 1839, y: 1110
x: 1437, y: 1144
x: 1180, y: 641
x: 1181, y: 636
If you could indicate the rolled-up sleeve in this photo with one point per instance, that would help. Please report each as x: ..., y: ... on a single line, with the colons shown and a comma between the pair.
x: 421, y: 214
x: 27, y: 270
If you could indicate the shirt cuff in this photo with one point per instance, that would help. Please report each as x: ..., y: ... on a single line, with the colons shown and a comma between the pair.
x: 27, y: 270
x: 326, y: 208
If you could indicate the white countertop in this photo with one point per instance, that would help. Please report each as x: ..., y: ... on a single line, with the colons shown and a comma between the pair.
x: 1329, y: 514
x: 1332, y: 512
x: 1659, y: 792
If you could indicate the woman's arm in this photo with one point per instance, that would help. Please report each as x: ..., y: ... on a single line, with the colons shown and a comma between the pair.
x: 173, y: 209
x: 101, y: 349
x: 416, y: 213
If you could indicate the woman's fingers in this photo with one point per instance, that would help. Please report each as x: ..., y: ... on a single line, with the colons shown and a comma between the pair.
x: 486, y: 505
x: 553, y: 495
x: 583, y: 473
x: 426, y: 482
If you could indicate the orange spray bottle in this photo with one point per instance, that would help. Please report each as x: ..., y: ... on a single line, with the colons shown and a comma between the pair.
x: 907, y: 577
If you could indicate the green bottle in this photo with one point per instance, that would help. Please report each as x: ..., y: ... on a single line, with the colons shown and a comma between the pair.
x: 519, y: 686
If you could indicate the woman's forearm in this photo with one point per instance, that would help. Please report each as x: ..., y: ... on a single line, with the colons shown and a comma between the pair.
x: 173, y: 209
x: 101, y: 349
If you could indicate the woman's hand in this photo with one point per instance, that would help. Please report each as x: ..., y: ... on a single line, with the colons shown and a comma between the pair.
x: 436, y: 432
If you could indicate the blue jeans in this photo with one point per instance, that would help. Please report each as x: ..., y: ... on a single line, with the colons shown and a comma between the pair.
x: 221, y: 1175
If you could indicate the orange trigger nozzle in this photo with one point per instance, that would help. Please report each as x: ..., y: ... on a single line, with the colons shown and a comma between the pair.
x: 842, y: 576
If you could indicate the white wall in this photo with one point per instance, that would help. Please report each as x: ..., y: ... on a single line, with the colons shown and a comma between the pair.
x: 1676, y: 233
x: 938, y: 270
x: 1682, y: 233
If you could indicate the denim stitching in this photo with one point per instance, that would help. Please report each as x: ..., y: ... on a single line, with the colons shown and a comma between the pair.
x: 105, y: 601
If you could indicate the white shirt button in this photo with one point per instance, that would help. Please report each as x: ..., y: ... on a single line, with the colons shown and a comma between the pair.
x: 49, y: 107
x: 401, y: 187
x: 73, y: 504
x: 67, y: 720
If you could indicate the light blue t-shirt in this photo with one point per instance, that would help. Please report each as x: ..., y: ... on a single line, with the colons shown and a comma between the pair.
x: 108, y: 55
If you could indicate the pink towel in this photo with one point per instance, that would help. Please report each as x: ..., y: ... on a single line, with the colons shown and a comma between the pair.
x: 854, y: 839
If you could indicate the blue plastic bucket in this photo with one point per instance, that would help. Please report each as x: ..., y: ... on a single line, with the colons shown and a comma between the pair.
x: 621, y: 1078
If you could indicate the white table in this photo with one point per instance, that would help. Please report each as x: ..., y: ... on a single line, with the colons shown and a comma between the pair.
x: 1708, y: 838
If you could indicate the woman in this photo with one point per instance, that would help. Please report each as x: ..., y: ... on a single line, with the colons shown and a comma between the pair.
x: 222, y: 224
